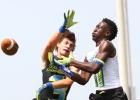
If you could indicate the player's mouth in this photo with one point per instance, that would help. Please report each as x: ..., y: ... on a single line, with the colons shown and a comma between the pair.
x: 93, y: 35
x: 66, y: 50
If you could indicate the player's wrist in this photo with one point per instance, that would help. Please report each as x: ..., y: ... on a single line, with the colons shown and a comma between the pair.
x: 66, y: 71
x: 63, y: 66
x: 62, y: 29
x: 49, y: 85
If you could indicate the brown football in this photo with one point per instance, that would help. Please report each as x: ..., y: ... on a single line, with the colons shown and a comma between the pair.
x: 9, y: 46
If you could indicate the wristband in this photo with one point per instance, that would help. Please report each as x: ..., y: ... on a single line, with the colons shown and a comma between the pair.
x: 64, y: 68
x: 66, y: 71
x: 99, y: 61
x: 49, y: 85
x: 62, y: 29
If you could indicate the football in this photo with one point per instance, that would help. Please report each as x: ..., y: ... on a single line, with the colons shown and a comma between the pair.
x: 9, y: 46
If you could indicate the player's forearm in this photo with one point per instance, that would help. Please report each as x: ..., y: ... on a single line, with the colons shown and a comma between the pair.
x: 85, y: 66
x: 62, y: 83
x: 79, y: 79
x: 51, y: 45
x: 53, y: 41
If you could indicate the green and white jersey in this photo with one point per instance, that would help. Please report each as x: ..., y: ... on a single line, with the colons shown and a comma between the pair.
x: 108, y: 75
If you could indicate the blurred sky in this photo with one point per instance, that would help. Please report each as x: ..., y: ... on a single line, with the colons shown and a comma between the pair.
x: 32, y: 22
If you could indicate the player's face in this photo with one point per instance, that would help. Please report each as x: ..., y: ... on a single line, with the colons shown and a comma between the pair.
x: 65, y: 47
x: 100, y: 31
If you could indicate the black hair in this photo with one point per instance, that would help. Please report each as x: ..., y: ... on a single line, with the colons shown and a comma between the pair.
x: 112, y: 26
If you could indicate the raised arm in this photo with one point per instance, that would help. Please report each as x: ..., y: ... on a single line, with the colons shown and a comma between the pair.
x: 53, y: 41
x: 48, y: 55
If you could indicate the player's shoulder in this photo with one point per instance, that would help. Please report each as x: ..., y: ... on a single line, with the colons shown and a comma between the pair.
x: 106, y: 45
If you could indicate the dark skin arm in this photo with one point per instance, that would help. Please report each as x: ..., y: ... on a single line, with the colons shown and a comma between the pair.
x: 79, y: 78
x: 85, y: 76
x: 106, y: 50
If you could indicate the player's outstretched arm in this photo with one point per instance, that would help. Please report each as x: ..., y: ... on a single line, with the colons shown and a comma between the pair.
x: 53, y: 40
x: 71, y: 74
x: 68, y: 22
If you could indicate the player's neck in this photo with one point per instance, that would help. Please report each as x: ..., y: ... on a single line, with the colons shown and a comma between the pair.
x: 99, y: 42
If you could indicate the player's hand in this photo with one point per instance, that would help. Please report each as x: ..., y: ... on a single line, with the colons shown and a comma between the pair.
x: 63, y: 27
x: 63, y: 65
x: 70, y: 16
x: 64, y: 68
x: 66, y: 60
x: 47, y: 88
x: 68, y: 21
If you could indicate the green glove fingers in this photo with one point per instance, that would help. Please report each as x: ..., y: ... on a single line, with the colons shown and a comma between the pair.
x: 68, y: 21
x: 67, y: 60
x: 70, y: 16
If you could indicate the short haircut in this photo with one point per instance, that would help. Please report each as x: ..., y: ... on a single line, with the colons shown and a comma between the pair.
x: 112, y: 26
x: 69, y: 35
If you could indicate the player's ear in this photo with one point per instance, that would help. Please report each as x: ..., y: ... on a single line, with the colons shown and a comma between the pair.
x: 57, y: 45
x: 108, y: 33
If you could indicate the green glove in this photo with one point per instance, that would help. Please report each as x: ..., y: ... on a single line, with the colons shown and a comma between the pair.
x: 66, y: 60
x: 70, y: 16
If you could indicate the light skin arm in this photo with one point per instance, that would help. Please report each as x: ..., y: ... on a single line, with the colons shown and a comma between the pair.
x: 105, y: 51
x: 62, y: 83
x: 53, y: 41
x: 67, y: 82
x: 50, y: 46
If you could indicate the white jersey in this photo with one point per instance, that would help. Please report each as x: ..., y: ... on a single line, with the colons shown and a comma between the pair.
x: 110, y: 71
